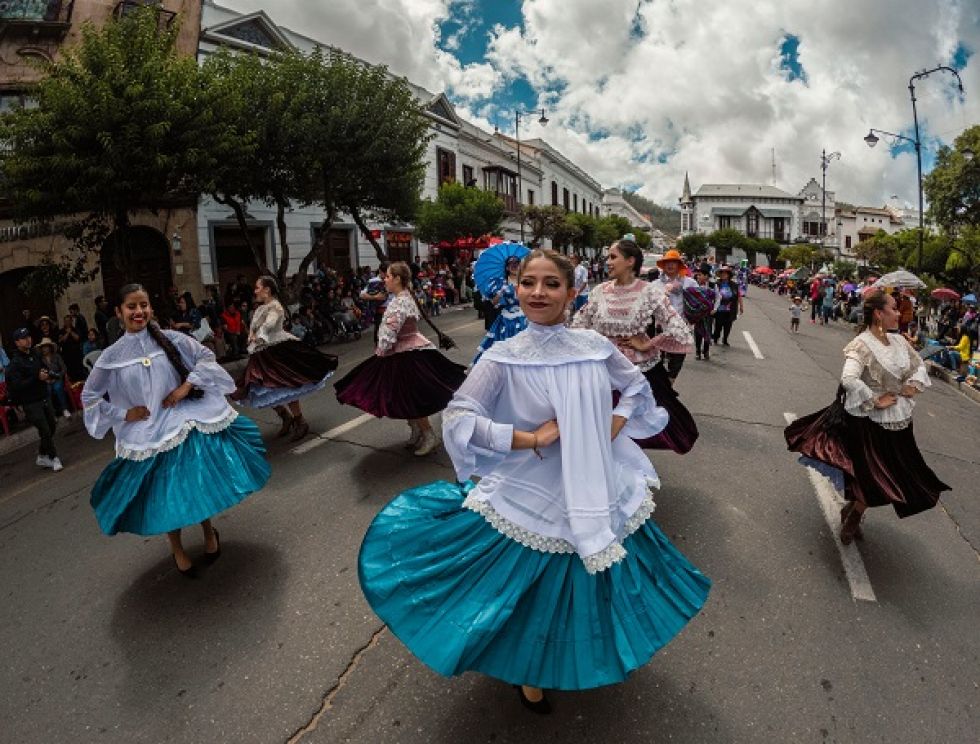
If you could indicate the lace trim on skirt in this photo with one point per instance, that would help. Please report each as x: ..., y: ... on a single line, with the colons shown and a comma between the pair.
x: 177, y: 439
x: 595, y: 563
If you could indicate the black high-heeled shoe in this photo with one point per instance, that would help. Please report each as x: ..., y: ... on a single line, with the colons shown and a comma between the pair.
x: 210, y: 558
x: 542, y: 707
x: 187, y: 573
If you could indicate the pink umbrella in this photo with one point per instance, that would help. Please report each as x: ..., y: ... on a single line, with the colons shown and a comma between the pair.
x: 945, y: 294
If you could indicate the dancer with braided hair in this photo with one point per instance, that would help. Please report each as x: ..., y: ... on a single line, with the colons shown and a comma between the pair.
x: 281, y: 368
x: 407, y: 378
x: 182, y: 452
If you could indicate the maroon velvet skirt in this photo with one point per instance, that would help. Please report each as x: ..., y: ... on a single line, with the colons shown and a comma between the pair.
x: 290, y: 364
x: 880, y: 466
x: 681, y: 432
x: 406, y: 385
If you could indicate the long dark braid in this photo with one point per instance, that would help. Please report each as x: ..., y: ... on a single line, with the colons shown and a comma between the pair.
x: 157, y: 334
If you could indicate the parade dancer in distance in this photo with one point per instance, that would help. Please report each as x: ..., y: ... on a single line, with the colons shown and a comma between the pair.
x: 510, y: 319
x: 281, y: 368
x: 864, y: 440
x: 622, y: 309
x: 529, y: 575
x: 183, y: 454
x: 407, y: 377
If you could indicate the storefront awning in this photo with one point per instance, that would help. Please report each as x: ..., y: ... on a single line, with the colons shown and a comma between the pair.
x: 727, y: 212
x: 774, y: 213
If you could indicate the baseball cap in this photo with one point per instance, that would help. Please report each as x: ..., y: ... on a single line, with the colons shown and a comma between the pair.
x: 21, y: 333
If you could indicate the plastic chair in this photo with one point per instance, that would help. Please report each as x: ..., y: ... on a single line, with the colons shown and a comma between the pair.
x: 90, y: 359
x: 4, y: 410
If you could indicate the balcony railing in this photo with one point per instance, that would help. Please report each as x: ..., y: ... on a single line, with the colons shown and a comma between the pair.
x: 780, y: 236
x: 511, y: 205
x: 37, y: 18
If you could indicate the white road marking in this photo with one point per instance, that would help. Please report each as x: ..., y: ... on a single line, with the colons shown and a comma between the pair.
x: 830, y: 504
x: 332, y: 434
x: 752, y: 345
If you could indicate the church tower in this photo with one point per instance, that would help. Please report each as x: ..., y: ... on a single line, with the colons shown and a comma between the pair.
x: 687, y: 208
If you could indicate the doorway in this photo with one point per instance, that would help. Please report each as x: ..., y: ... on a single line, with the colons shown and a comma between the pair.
x: 138, y: 254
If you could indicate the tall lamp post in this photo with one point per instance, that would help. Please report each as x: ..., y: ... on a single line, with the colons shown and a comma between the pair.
x: 825, y: 160
x: 517, y: 136
x: 872, y: 140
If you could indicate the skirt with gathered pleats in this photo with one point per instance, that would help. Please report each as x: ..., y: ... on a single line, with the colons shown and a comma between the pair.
x: 464, y: 597
x: 282, y: 373
x: 204, y: 475
x: 681, y: 431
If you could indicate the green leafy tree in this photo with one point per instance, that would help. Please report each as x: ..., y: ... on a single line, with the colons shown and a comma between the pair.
x: 880, y: 251
x: 725, y: 242
x: 953, y: 186
x: 844, y: 269
x: 767, y: 247
x: 643, y: 239
x: 611, y: 228
x: 543, y: 221
x: 693, y: 246
x: 587, y: 229
x: 566, y: 233
x: 122, y: 123
x: 459, y: 212
x: 798, y: 255
x: 963, y: 261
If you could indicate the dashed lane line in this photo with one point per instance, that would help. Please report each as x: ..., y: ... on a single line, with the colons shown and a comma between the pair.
x: 752, y: 345
x: 830, y: 505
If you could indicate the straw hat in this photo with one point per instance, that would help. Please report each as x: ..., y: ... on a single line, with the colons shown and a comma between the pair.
x: 673, y: 255
x: 45, y: 342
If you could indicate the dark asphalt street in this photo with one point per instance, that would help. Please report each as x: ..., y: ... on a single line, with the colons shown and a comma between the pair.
x: 104, y: 642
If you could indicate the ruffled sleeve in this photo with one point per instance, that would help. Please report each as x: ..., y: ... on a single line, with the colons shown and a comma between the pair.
x: 394, y: 318
x: 860, y: 397
x: 269, y: 321
x: 919, y: 376
x: 676, y: 336
x: 474, y: 441
x: 205, y: 372
x: 636, y: 403
x: 100, y: 414
x: 585, y: 317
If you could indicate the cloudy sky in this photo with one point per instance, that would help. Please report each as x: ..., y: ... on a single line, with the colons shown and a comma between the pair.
x: 640, y: 91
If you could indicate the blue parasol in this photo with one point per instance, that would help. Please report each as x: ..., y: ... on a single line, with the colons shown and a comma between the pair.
x: 490, y: 271
x: 970, y: 299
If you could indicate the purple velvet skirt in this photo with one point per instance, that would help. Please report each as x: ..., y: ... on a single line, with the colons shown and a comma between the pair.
x: 880, y: 466
x: 406, y: 385
x: 681, y: 432
x: 290, y: 365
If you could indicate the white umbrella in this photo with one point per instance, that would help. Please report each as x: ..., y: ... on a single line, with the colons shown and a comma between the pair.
x: 901, y: 279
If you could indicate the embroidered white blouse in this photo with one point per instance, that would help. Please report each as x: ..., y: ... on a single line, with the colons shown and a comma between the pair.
x: 588, y: 492
x: 399, y: 330
x: 872, y: 369
x: 621, y: 312
x: 134, y: 371
x: 266, y: 326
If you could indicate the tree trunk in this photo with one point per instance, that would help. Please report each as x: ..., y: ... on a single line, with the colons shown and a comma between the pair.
x: 283, y: 242
x: 359, y: 221
x: 239, y: 210
x: 297, y: 283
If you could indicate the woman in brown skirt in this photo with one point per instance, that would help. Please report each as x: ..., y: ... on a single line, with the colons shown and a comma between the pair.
x: 864, y: 440
x: 281, y: 368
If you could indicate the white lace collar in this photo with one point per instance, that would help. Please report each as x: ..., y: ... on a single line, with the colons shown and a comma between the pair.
x: 130, y: 348
x: 541, y: 345
x: 894, y: 357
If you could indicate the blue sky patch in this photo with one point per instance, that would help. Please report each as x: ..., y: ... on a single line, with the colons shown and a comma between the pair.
x: 466, y: 32
x: 961, y: 55
x: 789, y: 59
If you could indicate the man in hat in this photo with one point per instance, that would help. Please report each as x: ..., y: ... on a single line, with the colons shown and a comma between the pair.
x: 675, y: 279
x: 27, y: 386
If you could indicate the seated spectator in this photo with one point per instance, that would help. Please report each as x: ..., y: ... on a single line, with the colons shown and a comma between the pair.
x: 959, y: 353
x: 51, y: 360
x: 187, y: 319
x: 92, y: 342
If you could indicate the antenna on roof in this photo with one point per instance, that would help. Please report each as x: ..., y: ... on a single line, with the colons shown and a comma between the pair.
x: 773, y: 166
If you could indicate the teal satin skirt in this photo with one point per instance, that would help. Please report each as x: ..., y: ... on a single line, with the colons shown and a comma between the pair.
x: 204, y: 475
x: 464, y: 597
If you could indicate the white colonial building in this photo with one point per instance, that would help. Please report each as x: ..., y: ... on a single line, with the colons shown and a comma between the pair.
x: 856, y: 226
x: 613, y: 202
x: 754, y: 210
x: 458, y: 152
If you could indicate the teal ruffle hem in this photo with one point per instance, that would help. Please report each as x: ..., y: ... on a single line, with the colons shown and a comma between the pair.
x: 464, y: 597
x: 204, y: 475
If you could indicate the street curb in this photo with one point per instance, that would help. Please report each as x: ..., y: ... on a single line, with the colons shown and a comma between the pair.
x: 947, y: 376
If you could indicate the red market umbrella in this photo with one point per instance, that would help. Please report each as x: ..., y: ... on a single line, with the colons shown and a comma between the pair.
x: 945, y: 294
x: 764, y: 270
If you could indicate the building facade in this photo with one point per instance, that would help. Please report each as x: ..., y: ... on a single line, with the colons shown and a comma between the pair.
x: 459, y: 151
x: 862, y: 223
x: 613, y: 202
x: 161, y: 250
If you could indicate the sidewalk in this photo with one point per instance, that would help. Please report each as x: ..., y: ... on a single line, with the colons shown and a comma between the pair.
x: 946, y: 375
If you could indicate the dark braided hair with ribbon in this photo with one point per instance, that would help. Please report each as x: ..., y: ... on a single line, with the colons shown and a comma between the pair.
x: 162, y: 341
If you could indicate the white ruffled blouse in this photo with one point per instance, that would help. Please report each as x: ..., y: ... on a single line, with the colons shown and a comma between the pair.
x: 587, y: 492
x: 872, y: 369
x: 266, y: 326
x: 135, y: 371
x: 399, y: 329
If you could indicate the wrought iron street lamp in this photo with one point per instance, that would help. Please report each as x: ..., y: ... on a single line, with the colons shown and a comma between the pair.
x: 542, y: 120
x: 825, y: 160
x: 872, y: 140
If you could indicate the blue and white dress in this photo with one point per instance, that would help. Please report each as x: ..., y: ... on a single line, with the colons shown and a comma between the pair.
x: 509, y: 322
x: 550, y: 571
x: 182, y: 465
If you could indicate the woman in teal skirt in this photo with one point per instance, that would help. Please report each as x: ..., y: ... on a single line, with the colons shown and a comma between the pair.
x: 548, y: 573
x: 183, y: 454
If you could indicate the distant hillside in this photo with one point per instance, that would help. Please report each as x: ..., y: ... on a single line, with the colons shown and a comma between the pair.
x: 668, y: 220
